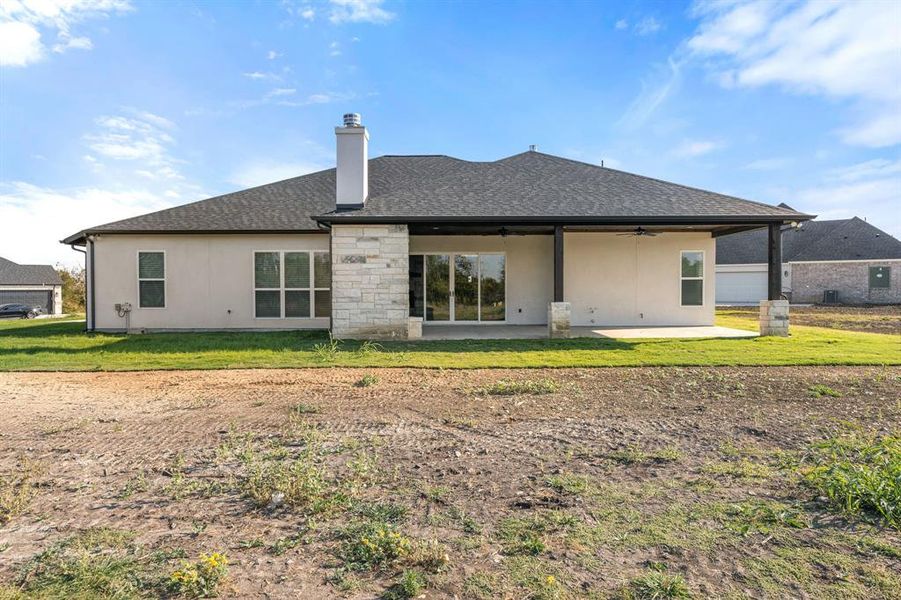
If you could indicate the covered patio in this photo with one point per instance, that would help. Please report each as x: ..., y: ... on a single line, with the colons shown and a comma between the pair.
x: 526, y: 332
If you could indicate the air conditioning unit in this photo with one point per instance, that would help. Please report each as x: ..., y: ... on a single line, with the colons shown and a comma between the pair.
x: 830, y: 296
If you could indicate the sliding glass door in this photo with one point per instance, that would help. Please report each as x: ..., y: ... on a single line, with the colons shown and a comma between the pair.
x: 458, y: 288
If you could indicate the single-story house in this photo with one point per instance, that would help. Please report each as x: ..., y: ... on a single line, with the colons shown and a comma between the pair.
x: 846, y: 261
x: 372, y: 248
x: 33, y: 285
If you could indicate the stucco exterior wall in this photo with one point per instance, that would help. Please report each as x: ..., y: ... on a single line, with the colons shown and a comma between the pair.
x: 209, y: 280
x: 850, y: 278
x: 370, y: 281
x: 633, y: 280
x: 529, y: 268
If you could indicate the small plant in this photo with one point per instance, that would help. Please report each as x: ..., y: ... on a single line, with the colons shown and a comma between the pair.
x: 327, y: 351
x: 368, y: 348
x: 569, y: 483
x: 859, y: 473
x: 284, y: 544
x: 658, y: 585
x: 17, y: 489
x: 366, y: 381
x: 742, y: 469
x: 431, y: 555
x: 384, y: 512
x: 508, y: 387
x: 523, y: 536
x: 373, y: 545
x: 201, y: 578
x: 297, y: 483
x: 819, y: 390
x: 633, y: 454
x: 138, y: 483
x: 411, y: 584
x: 481, y: 586
x: 763, y: 517
x: 437, y: 494
x: 302, y: 408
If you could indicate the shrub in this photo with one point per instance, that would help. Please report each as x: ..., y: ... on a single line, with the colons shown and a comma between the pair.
x: 201, y: 578
x: 507, y: 387
x: 859, y: 473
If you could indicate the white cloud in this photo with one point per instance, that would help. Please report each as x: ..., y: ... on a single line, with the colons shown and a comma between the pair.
x: 37, y: 217
x: 132, y: 138
x: 622, y: 24
x: 258, y: 173
x: 308, y: 13
x: 334, y: 49
x: 876, y: 168
x: 843, y: 50
x: 272, y: 55
x: 359, y: 11
x: 695, y: 148
x: 22, y: 23
x: 654, y: 91
x: 647, y: 26
x: 20, y: 44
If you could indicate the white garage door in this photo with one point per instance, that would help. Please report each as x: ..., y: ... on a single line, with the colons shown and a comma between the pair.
x: 741, y: 286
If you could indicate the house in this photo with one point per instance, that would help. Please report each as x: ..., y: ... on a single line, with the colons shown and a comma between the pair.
x: 845, y: 261
x: 372, y: 248
x: 33, y: 285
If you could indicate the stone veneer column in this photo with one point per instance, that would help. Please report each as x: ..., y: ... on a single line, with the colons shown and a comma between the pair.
x: 774, y: 317
x: 558, y: 320
x: 370, y: 281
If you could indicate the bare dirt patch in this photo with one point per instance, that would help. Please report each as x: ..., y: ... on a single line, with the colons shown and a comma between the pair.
x: 573, y: 484
x: 868, y: 319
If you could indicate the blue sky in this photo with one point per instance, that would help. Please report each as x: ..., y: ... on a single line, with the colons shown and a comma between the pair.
x: 111, y: 108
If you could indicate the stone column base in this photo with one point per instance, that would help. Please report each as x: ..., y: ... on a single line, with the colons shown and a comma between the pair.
x: 558, y: 320
x: 414, y: 329
x: 774, y: 317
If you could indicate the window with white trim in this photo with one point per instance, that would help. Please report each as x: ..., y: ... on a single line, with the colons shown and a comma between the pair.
x: 152, y: 279
x: 692, y: 277
x: 292, y: 285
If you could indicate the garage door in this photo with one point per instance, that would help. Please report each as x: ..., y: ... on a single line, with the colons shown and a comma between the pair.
x: 741, y: 286
x: 42, y: 298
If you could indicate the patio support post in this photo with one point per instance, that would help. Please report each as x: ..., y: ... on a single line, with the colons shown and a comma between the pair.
x: 559, y: 312
x: 774, y: 310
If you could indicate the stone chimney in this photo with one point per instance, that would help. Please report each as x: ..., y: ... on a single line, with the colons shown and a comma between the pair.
x: 352, y: 173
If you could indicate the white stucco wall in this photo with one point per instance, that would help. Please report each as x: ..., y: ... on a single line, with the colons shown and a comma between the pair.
x: 209, y: 280
x: 633, y: 280
x: 530, y: 268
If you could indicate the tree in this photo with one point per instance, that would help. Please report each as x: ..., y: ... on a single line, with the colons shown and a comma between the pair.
x: 73, y: 288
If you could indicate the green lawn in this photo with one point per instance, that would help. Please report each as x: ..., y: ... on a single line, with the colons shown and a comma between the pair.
x: 55, y: 345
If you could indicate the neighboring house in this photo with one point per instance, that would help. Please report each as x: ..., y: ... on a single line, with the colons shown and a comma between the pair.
x: 34, y: 285
x: 848, y: 259
x: 364, y: 247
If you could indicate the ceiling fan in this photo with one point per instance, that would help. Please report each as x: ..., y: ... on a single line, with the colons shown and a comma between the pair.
x: 639, y: 231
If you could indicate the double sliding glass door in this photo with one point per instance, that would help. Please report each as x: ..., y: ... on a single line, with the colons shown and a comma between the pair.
x: 458, y: 288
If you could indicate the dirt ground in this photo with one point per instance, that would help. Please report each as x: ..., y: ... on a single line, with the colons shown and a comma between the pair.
x: 872, y: 319
x: 617, y: 471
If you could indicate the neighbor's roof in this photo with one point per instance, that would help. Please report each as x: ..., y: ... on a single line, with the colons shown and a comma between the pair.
x: 530, y: 186
x: 16, y: 274
x: 843, y: 239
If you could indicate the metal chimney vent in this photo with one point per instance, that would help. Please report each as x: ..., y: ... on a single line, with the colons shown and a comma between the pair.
x: 352, y: 120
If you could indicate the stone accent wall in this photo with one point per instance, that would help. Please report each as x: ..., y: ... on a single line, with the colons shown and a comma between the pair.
x: 559, y: 315
x: 851, y: 279
x: 370, y: 281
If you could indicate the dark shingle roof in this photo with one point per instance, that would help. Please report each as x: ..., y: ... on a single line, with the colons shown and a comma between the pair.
x: 843, y: 239
x: 16, y: 274
x: 530, y: 185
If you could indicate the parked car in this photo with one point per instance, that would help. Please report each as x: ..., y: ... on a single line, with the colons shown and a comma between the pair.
x: 19, y: 311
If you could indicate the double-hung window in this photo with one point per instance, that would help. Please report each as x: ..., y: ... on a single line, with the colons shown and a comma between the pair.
x: 292, y: 285
x: 692, y: 278
x: 880, y: 277
x: 151, y: 279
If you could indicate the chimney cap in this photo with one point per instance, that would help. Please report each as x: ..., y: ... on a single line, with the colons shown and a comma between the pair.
x: 352, y: 120
x: 533, y: 147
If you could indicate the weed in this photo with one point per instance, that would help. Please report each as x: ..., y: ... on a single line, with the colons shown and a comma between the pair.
x: 302, y: 408
x: 201, y: 578
x: 523, y: 536
x: 411, y: 584
x: 762, y: 517
x: 481, y: 586
x: 859, y: 473
x: 658, y: 585
x: 437, y: 494
x: 819, y: 390
x: 879, y: 547
x: 248, y: 544
x: 283, y: 544
x: 742, y: 469
x: 138, y: 483
x: 327, y: 351
x: 366, y: 381
x: 569, y: 483
x: 17, y: 489
x: 466, y: 523
x: 431, y: 555
x: 385, y: 512
x: 537, y: 578
x: 372, y: 545
x: 368, y: 348
x: 508, y: 387
x: 296, y: 483
x: 634, y: 454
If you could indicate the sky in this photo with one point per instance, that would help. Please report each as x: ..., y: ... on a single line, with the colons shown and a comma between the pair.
x: 114, y: 108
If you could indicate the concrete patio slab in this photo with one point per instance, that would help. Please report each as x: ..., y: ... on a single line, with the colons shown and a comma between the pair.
x: 527, y: 332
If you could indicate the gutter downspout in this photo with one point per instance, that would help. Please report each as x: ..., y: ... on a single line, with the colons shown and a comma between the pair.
x: 90, y: 258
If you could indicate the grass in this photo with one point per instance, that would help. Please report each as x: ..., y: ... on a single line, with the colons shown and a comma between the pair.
x: 659, y: 585
x: 859, y: 473
x: 17, y: 489
x: 531, y: 387
x: 54, y: 345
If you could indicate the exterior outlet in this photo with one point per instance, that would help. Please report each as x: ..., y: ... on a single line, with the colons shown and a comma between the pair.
x: 352, y: 172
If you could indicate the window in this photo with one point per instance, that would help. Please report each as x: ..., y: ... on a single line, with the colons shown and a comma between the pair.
x: 292, y: 285
x: 152, y: 279
x: 880, y: 277
x: 692, y: 278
